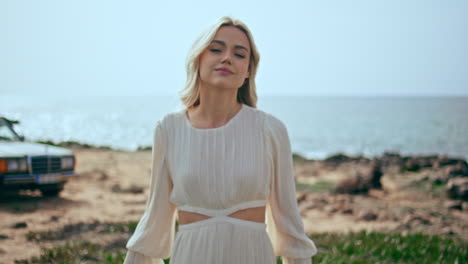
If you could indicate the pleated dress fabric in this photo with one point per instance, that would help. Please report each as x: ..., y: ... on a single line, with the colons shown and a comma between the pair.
x: 243, y: 164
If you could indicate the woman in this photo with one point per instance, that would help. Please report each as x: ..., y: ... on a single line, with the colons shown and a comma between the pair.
x: 222, y: 165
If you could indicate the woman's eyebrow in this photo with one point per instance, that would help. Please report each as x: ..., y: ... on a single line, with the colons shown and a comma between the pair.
x: 224, y: 44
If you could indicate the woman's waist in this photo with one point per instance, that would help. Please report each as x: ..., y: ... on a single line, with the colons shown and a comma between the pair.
x: 254, y: 214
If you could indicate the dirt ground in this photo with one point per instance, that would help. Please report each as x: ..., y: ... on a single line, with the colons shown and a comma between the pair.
x: 113, y: 187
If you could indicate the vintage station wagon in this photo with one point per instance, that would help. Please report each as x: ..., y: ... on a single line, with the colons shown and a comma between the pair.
x: 28, y: 166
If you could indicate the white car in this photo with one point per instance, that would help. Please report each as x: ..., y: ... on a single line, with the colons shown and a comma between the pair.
x: 28, y: 165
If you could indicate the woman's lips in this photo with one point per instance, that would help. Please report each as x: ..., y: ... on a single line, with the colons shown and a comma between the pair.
x: 224, y: 71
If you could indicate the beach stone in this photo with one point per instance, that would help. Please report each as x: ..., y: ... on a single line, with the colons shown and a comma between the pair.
x: 391, y: 159
x: 448, y: 172
x: 349, y: 184
x: 103, y: 176
x: 457, y: 188
x: 338, y: 158
x: 54, y: 218
x: 383, y: 215
x: 448, y: 230
x: 306, y: 206
x: 367, y: 215
x: 339, y: 206
x: 453, y: 204
x: 376, y: 193
x: 415, y: 220
x: 465, y: 206
x: 443, y: 161
x: 300, y: 196
x: 330, y: 209
x: 416, y: 163
x: 310, y: 197
x: 361, y: 179
x: 347, y: 211
x: 134, y: 189
x: 19, y: 225
x: 437, y: 177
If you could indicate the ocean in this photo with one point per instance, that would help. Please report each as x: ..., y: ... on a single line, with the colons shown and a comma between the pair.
x: 318, y: 126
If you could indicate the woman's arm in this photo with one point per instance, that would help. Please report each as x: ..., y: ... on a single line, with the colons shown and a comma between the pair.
x: 153, y: 237
x: 284, y: 223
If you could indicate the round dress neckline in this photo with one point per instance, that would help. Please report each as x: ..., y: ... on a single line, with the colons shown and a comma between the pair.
x: 187, y: 121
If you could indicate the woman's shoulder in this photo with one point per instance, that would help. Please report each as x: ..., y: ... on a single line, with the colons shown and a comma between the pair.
x: 172, y: 118
x: 270, y: 121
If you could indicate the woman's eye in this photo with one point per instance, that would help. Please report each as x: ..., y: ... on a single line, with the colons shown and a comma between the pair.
x: 215, y: 50
x: 240, y: 55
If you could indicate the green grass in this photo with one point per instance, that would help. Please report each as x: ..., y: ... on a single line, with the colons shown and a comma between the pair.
x: 318, y: 187
x: 361, y: 247
x: 364, y: 247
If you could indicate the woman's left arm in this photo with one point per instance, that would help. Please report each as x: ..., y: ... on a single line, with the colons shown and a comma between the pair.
x: 284, y: 223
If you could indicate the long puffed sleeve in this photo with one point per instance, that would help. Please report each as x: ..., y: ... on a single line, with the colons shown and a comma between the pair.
x: 284, y: 223
x: 153, y: 237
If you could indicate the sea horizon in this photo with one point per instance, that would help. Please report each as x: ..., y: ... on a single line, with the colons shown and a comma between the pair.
x: 318, y: 125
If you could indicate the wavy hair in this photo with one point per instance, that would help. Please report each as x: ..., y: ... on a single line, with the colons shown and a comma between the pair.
x: 247, y: 94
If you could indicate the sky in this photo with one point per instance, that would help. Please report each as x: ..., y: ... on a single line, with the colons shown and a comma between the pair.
x: 138, y: 48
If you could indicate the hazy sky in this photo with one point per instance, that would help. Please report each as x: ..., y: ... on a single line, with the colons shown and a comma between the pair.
x: 109, y: 47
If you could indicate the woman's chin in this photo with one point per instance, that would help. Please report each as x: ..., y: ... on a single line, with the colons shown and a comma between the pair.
x: 223, y: 86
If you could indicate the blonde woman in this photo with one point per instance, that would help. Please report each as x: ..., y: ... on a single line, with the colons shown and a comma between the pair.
x: 222, y: 167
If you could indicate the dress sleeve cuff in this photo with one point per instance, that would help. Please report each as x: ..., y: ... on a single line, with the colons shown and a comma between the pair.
x: 137, y: 258
x: 287, y: 260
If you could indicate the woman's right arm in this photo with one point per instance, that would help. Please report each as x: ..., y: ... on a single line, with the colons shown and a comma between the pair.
x: 153, y: 237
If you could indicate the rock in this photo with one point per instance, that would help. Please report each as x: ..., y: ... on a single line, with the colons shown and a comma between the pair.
x: 457, y: 188
x: 19, y: 225
x: 350, y: 184
x: 338, y: 158
x: 443, y: 161
x: 54, y: 218
x: 132, y: 189
x: 453, y: 204
x: 383, y: 215
x: 340, y: 205
x: 367, y: 215
x: 103, y: 176
x: 437, y: 177
x: 416, y: 220
x: 389, y: 185
x: 391, y: 160
x: 448, y: 230
x: 443, y: 175
x: 372, y: 175
x: 361, y: 179
x: 330, y: 209
x: 347, y: 211
x: 301, y: 196
x: 310, y: 197
x: 416, y: 163
x: 379, y: 194
x: 307, y: 205
x: 465, y: 206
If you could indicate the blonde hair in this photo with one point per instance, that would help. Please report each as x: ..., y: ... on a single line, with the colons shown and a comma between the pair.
x: 247, y: 94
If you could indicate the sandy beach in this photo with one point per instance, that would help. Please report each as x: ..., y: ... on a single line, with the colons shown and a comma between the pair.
x: 112, y: 187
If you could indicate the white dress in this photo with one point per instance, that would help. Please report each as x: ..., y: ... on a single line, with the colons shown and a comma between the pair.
x: 216, y: 172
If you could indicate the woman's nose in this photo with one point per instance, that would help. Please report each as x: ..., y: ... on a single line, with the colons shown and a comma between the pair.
x: 226, y: 57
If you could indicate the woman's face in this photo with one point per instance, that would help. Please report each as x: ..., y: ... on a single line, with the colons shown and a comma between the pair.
x: 225, y: 62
